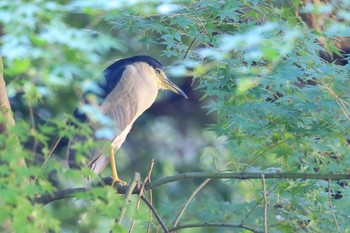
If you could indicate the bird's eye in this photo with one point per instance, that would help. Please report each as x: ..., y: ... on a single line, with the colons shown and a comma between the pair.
x: 159, y: 71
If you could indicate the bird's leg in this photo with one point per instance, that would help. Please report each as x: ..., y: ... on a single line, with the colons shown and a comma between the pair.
x: 114, y: 169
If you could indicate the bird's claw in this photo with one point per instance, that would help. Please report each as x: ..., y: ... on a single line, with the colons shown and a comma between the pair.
x: 117, y: 180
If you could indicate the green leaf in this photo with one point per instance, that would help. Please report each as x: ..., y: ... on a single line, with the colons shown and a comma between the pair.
x: 18, y: 66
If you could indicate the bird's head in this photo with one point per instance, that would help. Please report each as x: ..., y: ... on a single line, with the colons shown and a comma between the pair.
x: 160, y: 76
x: 148, y: 67
x: 166, y: 84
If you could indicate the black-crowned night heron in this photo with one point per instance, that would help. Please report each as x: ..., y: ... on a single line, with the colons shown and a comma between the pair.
x: 130, y: 86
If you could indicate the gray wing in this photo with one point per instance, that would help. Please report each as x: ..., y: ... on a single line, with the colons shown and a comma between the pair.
x: 121, y: 107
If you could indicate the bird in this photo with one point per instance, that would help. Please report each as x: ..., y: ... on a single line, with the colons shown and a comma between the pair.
x: 128, y: 87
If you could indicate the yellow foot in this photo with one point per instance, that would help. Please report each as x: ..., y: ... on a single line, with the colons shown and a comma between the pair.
x: 117, y: 180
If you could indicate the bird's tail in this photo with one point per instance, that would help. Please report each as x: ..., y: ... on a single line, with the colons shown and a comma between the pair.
x: 99, y: 163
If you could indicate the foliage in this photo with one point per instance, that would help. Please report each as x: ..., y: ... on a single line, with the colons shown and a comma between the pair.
x: 278, y: 106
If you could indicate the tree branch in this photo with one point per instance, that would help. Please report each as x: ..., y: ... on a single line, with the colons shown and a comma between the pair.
x: 67, y: 193
x: 243, y: 176
x: 207, y: 224
x: 58, y: 195
x: 70, y: 192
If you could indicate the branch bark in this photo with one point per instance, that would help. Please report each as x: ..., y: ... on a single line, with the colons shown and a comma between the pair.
x: 58, y: 195
x: 70, y: 192
x: 5, y: 107
x: 155, y: 213
x: 244, y: 176
x: 67, y: 193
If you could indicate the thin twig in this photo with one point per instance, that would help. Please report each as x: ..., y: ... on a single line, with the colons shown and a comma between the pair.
x: 257, y: 203
x: 176, y: 222
x: 263, y: 183
x: 155, y: 213
x: 148, y: 177
x: 53, y: 149
x: 150, y: 196
x: 188, y: 49
x: 134, y: 181
x: 141, y: 193
x: 150, y: 211
x: 287, y: 218
x: 211, y: 224
x: 261, y: 153
x: 342, y: 104
x: 331, y: 205
x: 58, y: 141
x: 205, y: 182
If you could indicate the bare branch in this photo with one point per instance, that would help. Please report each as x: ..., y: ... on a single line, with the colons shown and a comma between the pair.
x: 155, y: 213
x: 129, y: 191
x: 263, y: 183
x: 141, y: 193
x: 243, y: 176
x: 176, y: 222
x: 70, y: 192
x: 67, y: 193
x: 257, y: 203
x: 150, y: 213
x: 59, y: 194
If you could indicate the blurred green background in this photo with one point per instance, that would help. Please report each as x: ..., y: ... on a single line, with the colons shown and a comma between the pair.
x: 268, y: 92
